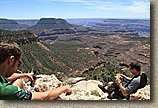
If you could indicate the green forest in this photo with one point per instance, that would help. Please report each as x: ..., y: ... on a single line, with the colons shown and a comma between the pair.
x: 60, y: 59
x: 15, y: 35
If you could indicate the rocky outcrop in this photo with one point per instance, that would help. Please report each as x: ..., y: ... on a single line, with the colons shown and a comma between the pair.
x: 84, y: 31
x: 48, y: 38
x: 57, y: 32
x: 21, y: 37
x: 27, y: 40
x: 81, y: 89
x: 43, y: 83
x: 86, y: 90
x: 141, y: 94
x: 72, y: 80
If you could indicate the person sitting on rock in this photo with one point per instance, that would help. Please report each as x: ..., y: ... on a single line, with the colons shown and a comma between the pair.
x: 11, y: 87
x: 138, y: 81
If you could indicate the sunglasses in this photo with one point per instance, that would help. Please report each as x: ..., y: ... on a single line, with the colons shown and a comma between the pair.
x: 18, y: 61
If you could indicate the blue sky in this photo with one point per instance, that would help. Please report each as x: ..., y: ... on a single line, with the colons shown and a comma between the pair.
x: 36, y: 9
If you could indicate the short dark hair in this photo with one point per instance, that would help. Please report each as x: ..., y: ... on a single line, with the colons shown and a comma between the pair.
x: 9, y: 48
x: 135, y: 65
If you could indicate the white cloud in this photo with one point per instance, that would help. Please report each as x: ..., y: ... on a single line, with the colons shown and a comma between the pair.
x: 130, y: 6
x: 139, y: 7
x: 134, y: 7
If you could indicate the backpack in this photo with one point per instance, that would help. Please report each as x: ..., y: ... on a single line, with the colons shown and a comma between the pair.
x: 114, y: 91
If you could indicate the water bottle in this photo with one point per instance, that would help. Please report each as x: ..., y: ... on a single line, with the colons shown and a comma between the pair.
x: 34, y: 78
x: 119, y: 79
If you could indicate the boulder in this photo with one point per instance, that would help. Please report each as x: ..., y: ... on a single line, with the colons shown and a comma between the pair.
x: 141, y: 94
x: 72, y: 80
x: 43, y: 83
x: 86, y: 90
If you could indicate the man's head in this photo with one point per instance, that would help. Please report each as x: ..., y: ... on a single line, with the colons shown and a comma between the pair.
x: 10, y: 55
x: 135, y: 68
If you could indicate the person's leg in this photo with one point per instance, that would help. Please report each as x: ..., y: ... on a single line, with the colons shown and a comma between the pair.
x: 18, y: 83
x: 109, y: 84
x: 105, y: 88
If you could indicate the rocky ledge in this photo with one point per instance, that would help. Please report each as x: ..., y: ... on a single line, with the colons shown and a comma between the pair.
x: 81, y: 89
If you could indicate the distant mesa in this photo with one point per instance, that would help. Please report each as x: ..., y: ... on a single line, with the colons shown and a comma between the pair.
x: 7, y: 24
x: 51, y: 23
x: 7, y: 21
x: 42, y: 24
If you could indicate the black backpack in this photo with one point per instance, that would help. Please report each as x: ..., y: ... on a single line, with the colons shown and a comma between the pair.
x: 114, y: 91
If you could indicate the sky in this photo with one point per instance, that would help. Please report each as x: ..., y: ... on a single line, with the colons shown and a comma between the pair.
x: 36, y: 9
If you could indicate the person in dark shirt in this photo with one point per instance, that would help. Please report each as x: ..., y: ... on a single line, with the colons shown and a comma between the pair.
x: 138, y: 81
x: 10, y: 60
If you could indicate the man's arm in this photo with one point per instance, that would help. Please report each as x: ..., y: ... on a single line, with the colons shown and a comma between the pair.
x: 122, y: 88
x: 124, y: 76
x: 17, y: 76
x: 51, y: 94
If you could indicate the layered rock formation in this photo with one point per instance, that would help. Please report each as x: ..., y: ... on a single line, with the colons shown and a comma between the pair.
x: 21, y: 37
x: 49, y: 23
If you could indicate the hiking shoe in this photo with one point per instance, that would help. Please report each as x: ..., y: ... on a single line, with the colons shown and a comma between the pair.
x: 102, y: 87
x: 109, y: 97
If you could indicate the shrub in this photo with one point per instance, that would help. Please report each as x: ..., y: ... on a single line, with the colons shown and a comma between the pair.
x: 95, y: 92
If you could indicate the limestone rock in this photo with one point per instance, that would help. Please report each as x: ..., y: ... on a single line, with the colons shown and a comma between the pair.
x: 86, y: 90
x: 72, y: 80
x: 81, y: 89
x: 141, y: 94
x: 44, y: 83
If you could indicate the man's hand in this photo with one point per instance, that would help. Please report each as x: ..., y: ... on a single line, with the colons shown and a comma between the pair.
x: 51, y: 94
x: 117, y: 80
x: 68, y: 90
x: 30, y: 76
x: 118, y: 74
x: 125, y: 77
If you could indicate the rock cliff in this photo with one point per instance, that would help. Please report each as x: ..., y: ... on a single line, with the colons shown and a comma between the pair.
x: 21, y: 37
x: 81, y: 89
